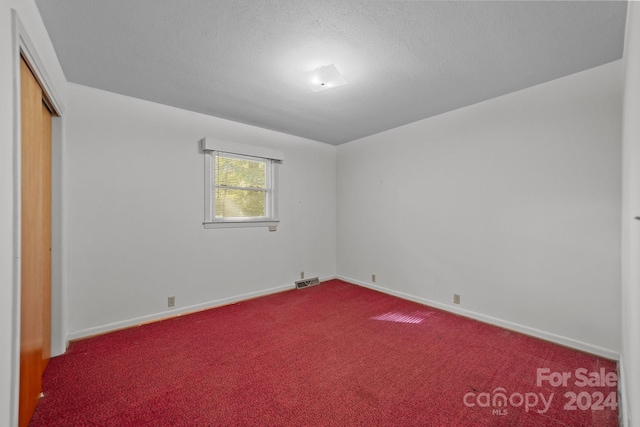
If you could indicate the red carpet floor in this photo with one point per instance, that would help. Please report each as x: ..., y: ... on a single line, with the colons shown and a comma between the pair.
x: 335, y: 354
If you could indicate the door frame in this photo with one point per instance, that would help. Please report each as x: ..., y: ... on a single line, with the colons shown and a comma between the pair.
x: 25, y: 48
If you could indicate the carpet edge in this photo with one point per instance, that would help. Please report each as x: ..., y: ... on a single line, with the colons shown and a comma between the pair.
x: 537, y: 333
x: 123, y: 324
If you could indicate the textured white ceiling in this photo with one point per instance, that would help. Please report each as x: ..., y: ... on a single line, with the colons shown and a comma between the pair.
x: 242, y: 59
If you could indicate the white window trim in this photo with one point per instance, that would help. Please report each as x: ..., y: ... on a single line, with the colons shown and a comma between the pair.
x: 274, y: 158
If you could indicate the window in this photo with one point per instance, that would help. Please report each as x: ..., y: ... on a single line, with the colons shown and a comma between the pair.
x: 240, y: 185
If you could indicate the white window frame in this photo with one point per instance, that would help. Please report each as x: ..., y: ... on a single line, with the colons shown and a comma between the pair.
x: 272, y: 159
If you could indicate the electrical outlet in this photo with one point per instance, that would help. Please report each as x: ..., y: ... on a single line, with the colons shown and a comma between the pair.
x: 171, y: 301
x: 373, y: 278
x: 301, y: 275
x: 456, y: 299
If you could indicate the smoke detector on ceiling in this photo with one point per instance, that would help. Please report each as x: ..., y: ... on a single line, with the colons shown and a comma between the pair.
x: 323, y: 78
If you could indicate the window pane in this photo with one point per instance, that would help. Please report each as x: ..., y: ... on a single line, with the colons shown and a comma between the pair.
x: 239, y: 203
x: 240, y: 172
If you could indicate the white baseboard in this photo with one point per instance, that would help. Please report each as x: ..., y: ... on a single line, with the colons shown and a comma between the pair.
x: 548, y: 336
x: 578, y: 345
x: 97, y: 330
x: 623, y: 404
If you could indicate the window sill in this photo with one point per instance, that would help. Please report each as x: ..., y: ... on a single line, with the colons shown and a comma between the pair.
x: 241, y: 224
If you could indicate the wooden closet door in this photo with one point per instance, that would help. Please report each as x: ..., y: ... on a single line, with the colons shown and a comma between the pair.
x: 35, y: 285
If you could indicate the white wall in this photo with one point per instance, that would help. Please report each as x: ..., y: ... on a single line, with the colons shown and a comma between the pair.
x: 7, y: 226
x: 513, y: 203
x: 135, y: 185
x: 630, y: 358
x: 518, y: 210
x: 9, y: 135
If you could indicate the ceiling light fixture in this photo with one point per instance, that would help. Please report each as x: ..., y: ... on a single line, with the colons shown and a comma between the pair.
x: 323, y: 78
